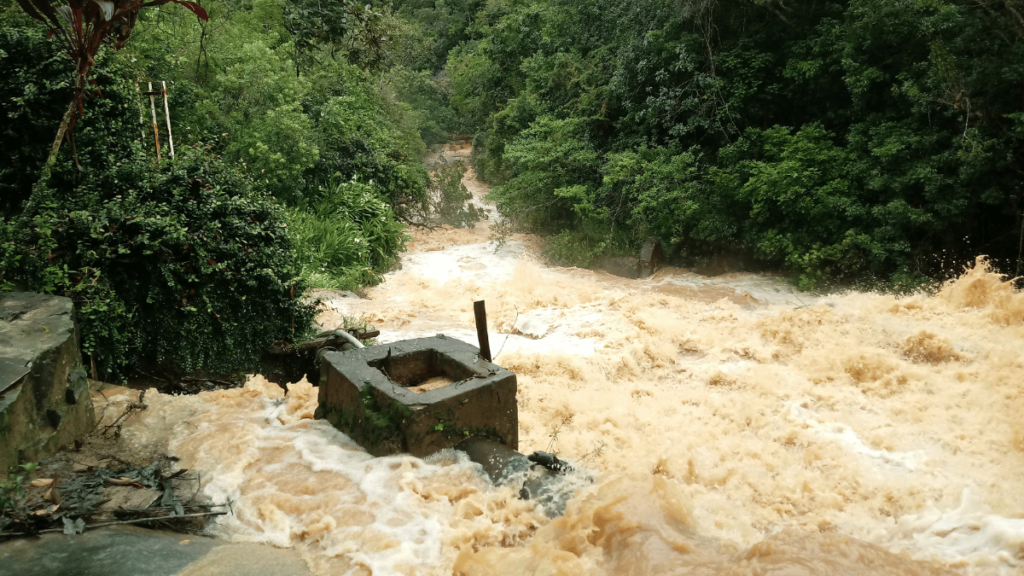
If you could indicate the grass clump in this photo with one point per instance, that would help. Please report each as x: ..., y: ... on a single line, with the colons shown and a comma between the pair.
x: 346, y: 238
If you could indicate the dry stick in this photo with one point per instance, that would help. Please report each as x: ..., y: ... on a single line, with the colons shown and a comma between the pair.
x: 44, y: 175
x: 167, y: 115
x: 112, y: 457
x: 151, y: 375
x: 136, y: 521
x: 411, y: 223
x: 130, y: 409
x: 507, y: 335
x: 224, y: 382
x: 1020, y: 32
x: 142, y: 120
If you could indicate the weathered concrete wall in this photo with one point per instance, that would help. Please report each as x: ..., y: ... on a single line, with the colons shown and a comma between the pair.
x: 364, y: 393
x: 43, y: 405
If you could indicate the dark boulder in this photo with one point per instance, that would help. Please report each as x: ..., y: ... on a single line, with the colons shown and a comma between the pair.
x: 44, y: 392
x: 651, y: 257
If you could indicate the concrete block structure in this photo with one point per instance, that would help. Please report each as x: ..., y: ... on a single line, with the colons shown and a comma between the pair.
x: 418, y: 396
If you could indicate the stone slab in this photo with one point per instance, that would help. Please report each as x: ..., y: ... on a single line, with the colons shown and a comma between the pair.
x: 366, y: 393
x: 10, y: 374
x: 49, y: 406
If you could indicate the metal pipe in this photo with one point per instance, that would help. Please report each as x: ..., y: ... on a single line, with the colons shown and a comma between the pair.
x: 344, y: 334
x: 543, y: 475
x: 498, y: 461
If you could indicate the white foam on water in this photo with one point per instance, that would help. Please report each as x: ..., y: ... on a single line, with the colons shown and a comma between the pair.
x: 483, y: 262
x: 969, y: 534
x: 845, y: 436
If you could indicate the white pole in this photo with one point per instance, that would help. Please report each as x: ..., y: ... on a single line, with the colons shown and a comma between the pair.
x: 167, y: 115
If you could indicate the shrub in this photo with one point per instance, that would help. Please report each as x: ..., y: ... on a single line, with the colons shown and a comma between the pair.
x: 180, y: 268
x: 361, y: 138
x: 32, y: 100
x: 585, y: 245
x: 451, y: 199
x: 348, y: 238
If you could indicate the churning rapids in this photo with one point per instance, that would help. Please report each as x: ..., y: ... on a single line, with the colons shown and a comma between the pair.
x: 731, y: 425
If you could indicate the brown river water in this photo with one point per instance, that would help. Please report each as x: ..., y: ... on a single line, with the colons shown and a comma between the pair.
x: 730, y: 425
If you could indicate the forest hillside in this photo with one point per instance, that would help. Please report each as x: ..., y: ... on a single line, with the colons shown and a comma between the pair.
x: 872, y: 143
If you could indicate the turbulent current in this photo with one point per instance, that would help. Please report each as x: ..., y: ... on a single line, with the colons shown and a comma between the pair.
x: 730, y: 424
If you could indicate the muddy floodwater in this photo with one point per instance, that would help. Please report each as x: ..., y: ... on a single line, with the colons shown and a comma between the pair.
x: 730, y: 425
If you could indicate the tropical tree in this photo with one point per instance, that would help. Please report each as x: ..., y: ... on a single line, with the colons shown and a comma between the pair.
x: 81, y: 27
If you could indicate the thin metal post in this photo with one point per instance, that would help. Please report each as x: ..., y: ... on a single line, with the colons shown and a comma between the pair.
x: 481, y: 329
x: 167, y: 115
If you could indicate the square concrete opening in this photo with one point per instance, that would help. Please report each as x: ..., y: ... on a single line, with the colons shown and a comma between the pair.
x: 418, y: 396
x: 423, y: 370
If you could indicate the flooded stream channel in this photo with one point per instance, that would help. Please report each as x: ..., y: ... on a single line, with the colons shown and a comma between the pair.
x: 731, y: 425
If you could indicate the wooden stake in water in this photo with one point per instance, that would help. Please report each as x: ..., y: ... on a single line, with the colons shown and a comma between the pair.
x: 481, y: 329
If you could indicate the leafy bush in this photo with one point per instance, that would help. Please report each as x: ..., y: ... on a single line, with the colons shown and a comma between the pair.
x: 428, y: 104
x: 450, y: 199
x: 292, y: 115
x: 348, y: 238
x: 255, y: 102
x: 586, y: 244
x: 555, y: 170
x: 362, y: 138
x: 34, y: 84
x: 11, y: 490
x: 181, y: 268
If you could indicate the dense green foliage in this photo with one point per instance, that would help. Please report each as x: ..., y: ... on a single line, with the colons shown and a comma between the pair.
x: 178, y: 267
x: 294, y: 115
x: 294, y: 149
x: 27, y: 102
x: 183, y: 268
x: 843, y: 140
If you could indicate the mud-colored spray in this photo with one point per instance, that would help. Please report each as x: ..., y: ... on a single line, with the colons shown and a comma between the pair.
x: 731, y: 426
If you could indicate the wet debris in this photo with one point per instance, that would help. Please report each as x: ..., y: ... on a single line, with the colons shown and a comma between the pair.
x: 103, y: 496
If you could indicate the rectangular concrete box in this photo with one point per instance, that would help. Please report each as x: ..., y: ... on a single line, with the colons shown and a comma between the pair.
x: 365, y: 394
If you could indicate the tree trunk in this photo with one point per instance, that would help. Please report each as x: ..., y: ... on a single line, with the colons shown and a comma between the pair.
x: 44, y: 175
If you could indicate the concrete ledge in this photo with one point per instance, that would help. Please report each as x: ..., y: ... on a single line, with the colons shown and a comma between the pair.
x: 369, y: 394
x: 44, y: 405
